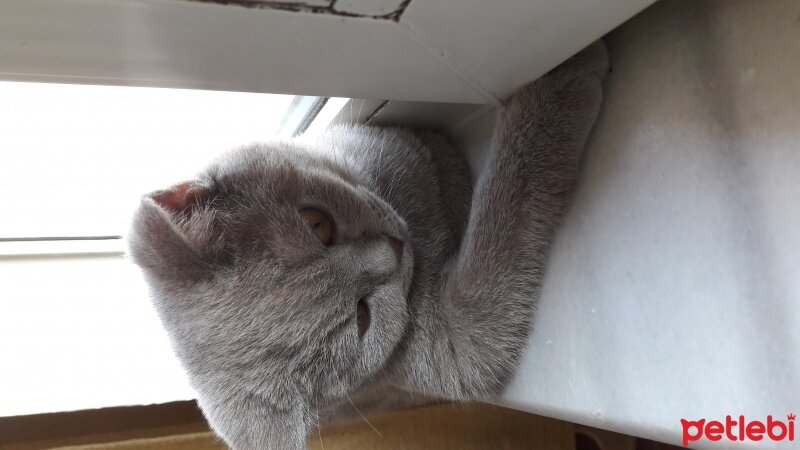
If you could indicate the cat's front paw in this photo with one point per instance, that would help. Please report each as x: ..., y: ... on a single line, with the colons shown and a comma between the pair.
x: 573, y: 85
x: 567, y: 98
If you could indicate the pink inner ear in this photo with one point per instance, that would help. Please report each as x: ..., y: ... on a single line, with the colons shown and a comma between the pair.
x: 181, y: 196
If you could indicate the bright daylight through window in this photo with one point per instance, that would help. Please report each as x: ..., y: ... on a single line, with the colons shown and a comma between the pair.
x: 77, y: 330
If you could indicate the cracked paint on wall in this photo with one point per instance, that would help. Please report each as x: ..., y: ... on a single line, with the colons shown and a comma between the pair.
x: 328, y: 7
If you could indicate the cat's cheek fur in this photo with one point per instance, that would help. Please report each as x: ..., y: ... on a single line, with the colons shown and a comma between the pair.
x: 388, y: 320
x: 389, y: 312
x: 250, y: 423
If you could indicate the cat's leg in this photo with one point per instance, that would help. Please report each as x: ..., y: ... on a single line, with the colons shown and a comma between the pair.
x: 471, y: 343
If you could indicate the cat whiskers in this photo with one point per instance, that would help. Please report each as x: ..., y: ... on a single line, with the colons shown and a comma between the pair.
x: 319, y: 431
x: 380, y: 157
x: 395, y: 184
x: 344, y: 162
x: 362, y: 415
x: 358, y: 117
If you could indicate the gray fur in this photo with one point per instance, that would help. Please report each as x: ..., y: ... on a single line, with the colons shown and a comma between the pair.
x: 262, y: 314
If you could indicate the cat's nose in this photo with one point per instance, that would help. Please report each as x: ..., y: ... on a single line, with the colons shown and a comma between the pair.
x: 397, y: 246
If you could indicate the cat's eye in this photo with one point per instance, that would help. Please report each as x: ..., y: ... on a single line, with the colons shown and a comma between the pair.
x: 319, y: 223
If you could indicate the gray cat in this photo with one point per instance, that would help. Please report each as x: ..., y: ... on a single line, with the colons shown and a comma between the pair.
x: 295, y: 278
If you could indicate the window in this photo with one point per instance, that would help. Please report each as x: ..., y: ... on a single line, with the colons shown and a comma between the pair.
x: 77, y: 158
x: 76, y: 327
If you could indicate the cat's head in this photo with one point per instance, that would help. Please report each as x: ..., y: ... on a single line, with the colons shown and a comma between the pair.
x: 277, y: 274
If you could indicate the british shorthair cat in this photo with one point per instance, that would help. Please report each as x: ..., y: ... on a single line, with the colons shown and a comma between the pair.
x: 298, y: 279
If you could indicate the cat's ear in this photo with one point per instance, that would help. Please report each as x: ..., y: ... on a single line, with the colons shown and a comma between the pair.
x: 171, y: 232
x: 182, y: 198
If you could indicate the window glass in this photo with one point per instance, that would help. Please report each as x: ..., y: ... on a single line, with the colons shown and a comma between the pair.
x: 76, y: 159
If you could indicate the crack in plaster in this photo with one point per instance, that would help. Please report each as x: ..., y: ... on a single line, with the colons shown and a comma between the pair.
x: 301, y: 7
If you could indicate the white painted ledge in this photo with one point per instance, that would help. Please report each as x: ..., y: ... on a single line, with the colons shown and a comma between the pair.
x: 465, y: 51
x: 673, y: 289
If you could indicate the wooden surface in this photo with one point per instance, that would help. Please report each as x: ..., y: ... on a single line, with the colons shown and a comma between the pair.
x: 180, y: 426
